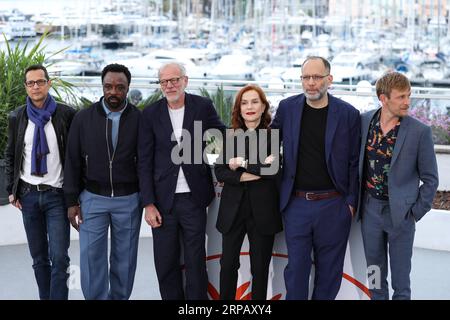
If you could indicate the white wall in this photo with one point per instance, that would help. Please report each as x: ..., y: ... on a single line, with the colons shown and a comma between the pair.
x: 432, y: 232
x: 12, y: 230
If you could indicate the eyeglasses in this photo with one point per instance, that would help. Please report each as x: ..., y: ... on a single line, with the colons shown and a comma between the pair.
x: 173, y: 81
x: 314, y: 77
x: 40, y: 83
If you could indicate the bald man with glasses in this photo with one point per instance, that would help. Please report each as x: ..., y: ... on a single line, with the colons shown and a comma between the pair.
x: 319, y: 188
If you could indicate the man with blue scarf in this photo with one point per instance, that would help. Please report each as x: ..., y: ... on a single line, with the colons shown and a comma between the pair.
x: 34, y: 171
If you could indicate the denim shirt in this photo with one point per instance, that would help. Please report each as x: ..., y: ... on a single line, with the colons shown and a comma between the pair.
x: 114, y: 116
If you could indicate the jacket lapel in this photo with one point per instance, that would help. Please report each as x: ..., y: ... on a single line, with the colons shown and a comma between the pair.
x: 296, y: 120
x: 188, y: 120
x: 164, y: 118
x: 332, y: 122
x: 365, y: 124
x: 402, y: 132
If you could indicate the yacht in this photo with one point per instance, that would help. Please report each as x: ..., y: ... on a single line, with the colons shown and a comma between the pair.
x: 20, y: 27
x: 351, y: 67
x: 234, y: 67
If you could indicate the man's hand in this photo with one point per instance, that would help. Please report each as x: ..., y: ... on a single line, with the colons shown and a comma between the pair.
x: 15, y: 202
x: 152, y: 216
x: 75, y: 217
x: 352, y: 210
x: 235, y: 163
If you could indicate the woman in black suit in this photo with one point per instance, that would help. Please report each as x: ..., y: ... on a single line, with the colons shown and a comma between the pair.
x: 249, y: 199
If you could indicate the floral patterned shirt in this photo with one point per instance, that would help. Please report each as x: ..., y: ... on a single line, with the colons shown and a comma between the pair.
x: 379, y: 149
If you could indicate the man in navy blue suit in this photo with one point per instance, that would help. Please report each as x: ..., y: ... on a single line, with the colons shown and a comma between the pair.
x: 175, y: 195
x: 319, y: 188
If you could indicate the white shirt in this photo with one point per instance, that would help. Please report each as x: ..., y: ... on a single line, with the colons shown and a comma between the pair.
x: 176, y: 117
x: 54, y: 177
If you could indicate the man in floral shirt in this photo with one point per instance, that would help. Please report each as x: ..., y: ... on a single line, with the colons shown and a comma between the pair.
x: 397, y: 154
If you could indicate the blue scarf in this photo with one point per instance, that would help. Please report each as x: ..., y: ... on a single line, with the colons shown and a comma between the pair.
x: 40, y: 117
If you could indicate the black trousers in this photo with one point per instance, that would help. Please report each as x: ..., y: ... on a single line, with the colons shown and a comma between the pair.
x: 185, y: 222
x: 260, y: 255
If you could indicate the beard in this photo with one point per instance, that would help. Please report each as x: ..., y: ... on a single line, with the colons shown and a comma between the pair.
x: 174, y: 97
x: 114, y: 102
x: 322, y: 91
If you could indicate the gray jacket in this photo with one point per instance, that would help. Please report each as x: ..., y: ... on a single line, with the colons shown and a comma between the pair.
x: 413, y: 161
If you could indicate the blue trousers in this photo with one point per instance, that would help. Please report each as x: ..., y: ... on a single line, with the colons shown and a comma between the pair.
x: 121, y: 215
x: 48, y: 233
x: 321, y: 227
x: 380, y: 237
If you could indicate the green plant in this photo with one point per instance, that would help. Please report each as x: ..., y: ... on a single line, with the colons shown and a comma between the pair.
x: 222, y: 102
x: 13, y: 62
x: 155, y: 96
x: 214, y: 144
x: 84, y: 102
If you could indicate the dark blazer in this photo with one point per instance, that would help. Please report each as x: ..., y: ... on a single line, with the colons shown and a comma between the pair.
x: 413, y: 160
x: 158, y: 174
x: 263, y: 193
x: 342, y: 140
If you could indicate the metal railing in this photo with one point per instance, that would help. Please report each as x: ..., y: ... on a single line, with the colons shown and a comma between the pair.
x: 269, y: 87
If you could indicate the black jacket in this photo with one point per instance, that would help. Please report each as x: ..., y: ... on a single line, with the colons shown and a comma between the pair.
x: 87, y: 159
x: 262, y: 193
x: 158, y: 173
x: 18, y: 122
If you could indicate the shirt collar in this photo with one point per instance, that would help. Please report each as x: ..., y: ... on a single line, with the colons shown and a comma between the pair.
x: 376, y: 124
x: 108, y: 111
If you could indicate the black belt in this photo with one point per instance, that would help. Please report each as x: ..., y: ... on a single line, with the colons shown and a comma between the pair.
x: 120, y: 189
x: 313, y: 196
x: 26, y: 187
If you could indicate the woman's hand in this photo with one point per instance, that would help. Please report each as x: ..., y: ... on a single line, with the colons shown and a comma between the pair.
x: 235, y: 163
x: 269, y: 159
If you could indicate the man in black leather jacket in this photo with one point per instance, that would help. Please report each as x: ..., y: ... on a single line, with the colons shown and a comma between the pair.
x: 34, y: 176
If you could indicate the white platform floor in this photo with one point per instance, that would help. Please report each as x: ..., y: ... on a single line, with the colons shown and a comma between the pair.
x: 430, y: 277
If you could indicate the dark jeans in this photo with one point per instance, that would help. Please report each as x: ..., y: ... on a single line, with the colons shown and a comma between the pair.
x: 48, y: 234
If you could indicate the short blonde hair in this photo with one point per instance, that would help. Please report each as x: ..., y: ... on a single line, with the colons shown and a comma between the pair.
x: 391, y: 80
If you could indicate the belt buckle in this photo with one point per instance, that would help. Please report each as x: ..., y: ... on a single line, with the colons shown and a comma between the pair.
x: 308, y: 194
x: 41, y: 187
